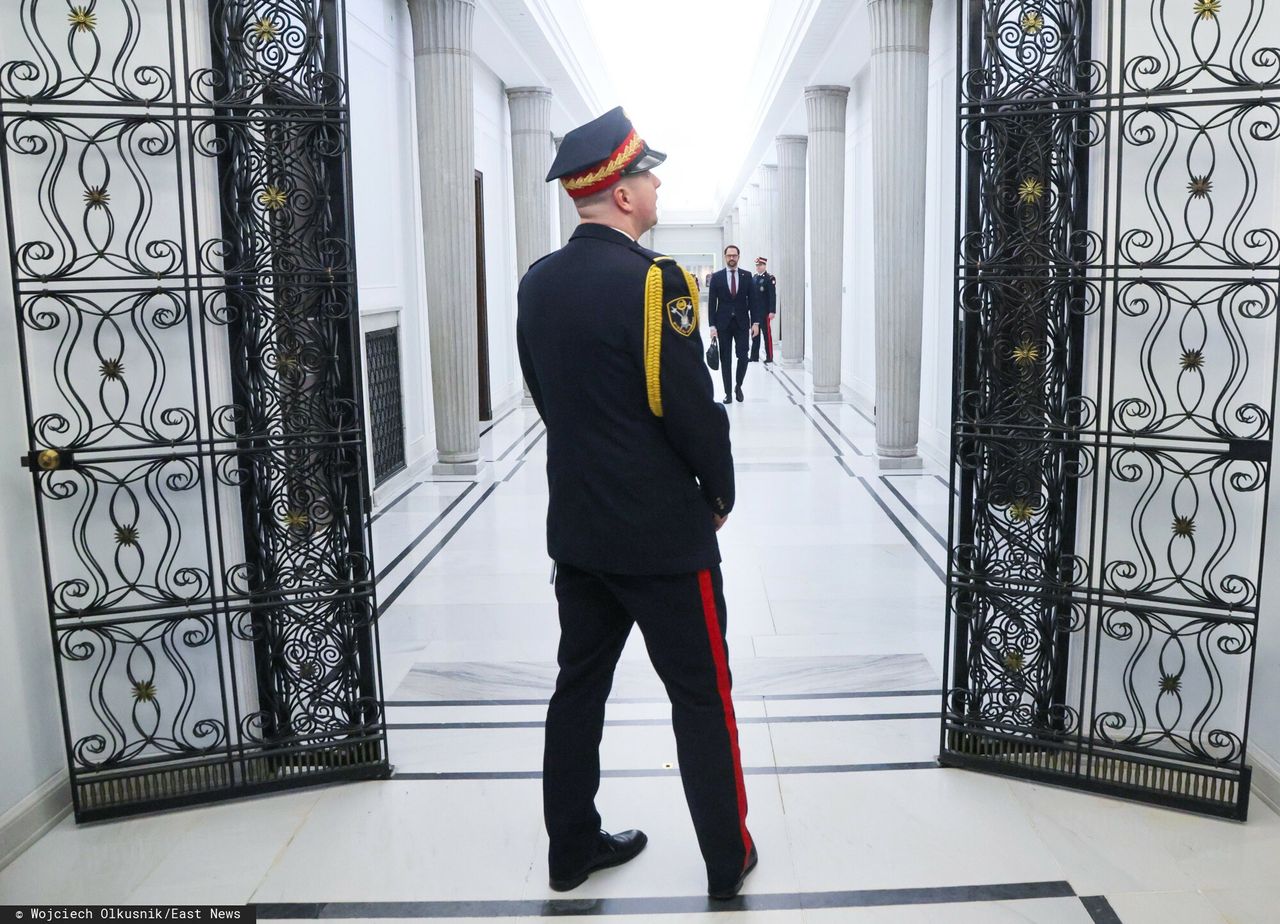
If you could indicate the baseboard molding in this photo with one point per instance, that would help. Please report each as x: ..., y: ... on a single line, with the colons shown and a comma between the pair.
x: 1266, y: 777
x: 30, y: 819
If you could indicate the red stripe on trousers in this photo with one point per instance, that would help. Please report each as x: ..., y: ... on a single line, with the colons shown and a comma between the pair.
x: 726, y: 701
x: 768, y: 334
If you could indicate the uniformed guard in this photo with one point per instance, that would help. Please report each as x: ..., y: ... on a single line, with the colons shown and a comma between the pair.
x: 766, y: 296
x: 641, y: 477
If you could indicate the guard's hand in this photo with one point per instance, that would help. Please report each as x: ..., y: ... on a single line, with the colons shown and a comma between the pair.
x: 718, y: 520
x: 755, y: 330
x: 713, y: 333
x: 771, y: 316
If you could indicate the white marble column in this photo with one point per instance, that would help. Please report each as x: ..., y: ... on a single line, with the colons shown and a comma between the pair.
x: 826, y: 107
x: 791, y: 235
x: 530, y: 159
x: 899, y: 133
x: 769, y: 212
x: 568, y: 211
x: 530, y: 109
x: 446, y: 162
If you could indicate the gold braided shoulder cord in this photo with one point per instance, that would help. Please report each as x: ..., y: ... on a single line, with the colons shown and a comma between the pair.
x: 653, y: 320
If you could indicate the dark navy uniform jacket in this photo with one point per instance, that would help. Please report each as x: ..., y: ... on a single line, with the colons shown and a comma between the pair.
x: 631, y: 492
x: 765, y: 295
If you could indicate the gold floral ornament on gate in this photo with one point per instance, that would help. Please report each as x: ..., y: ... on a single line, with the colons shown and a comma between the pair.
x: 1170, y: 683
x: 1184, y: 527
x: 96, y: 197
x: 1200, y: 187
x: 1031, y: 191
x: 1032, y: 22
x: 81, y: 19
x: 1208, y: 9
x: 112, y: 369
x: 1026, y: 354
x: 266, y: 30
x: 273, y: 197
x: 1020, y: 511
x: 1192, y: 360
x: 1014, y: 660
x: 296, y: 519
x: 144, y: 691
x: 127, y: 535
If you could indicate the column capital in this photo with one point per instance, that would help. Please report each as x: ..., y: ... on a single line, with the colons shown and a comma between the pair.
x: 442, y: 26
x: 529, y: 92
x: 899, y: 25
x: 826, y: 107
x: 791, y: 139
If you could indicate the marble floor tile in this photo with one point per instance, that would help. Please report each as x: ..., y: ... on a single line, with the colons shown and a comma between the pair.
x: 1030, y: 911
x: 1246, y: 906
x: 1169, y: 908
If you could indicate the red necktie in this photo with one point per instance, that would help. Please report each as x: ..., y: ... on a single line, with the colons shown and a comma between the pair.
x: 733, y: 285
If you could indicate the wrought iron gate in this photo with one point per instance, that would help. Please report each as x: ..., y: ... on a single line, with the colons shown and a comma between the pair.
x: 177, y: 196
x: 1118, y: 269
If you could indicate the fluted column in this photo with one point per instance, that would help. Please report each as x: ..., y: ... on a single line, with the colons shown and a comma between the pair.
x: 530, y: 109
x: 568, y: 211
x: 791, y: 234
x: 826, y: 107
x: 899, y: 134
x: 446, y: 166
x: 769, y: 214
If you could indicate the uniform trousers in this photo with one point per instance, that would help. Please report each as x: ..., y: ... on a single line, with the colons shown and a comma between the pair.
x: 735, y: 337
x: 766, y: 334
x: 682, y: 619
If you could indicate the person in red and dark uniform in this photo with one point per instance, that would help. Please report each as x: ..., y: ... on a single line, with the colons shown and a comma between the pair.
x: 764, y: 290
x: 640, y: 473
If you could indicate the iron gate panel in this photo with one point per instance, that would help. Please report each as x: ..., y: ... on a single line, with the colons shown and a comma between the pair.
x: 386, y: 417
x: 1118, y: 272
x: 177, y: 195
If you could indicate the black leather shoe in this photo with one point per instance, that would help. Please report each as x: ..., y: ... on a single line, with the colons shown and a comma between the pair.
x: 727, y: 400
x: 733, y: 890
x: 738, y: 393
x: 611, y: 850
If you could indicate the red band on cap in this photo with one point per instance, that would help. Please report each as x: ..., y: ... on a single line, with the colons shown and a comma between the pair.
x: 608, y: 171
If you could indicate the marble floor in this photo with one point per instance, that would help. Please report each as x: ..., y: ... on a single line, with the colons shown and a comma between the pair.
x: 833, y: 579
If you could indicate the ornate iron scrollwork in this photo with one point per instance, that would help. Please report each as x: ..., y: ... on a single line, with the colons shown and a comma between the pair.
x: 179, y: 214
x: 1116, y: 323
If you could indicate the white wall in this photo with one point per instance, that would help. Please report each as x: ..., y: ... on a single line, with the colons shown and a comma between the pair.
x: 30, y: 722
x: 939, y: 244
x: 493, y: 159
x: 387, y: 207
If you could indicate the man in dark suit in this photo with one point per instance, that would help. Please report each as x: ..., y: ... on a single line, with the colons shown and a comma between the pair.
x: 764, y: 291
x: 732, y: 313
x: 640, y: 473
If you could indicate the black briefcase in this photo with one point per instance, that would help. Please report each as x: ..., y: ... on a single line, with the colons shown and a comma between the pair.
x: 713, y: 355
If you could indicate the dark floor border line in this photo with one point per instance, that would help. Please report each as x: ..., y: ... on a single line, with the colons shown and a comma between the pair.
x: 670, y: 904
x: 407, y: 491
x: 785, y: 386
x: 786, y: 375
x: 915, y: 543
x: 915, y: 513
x: 835, y: 426
x: 385, y: 604
x: 404, y: 553
x: 511, y: 474
x: 1100, y: 910
x: 861, y: 413
x: 494, y: 423
x: 830, y: 442
x: 844, y: 465
x: 647, y: 700
x: 742, y: 720
x: 659, y: 772
x: 506, y: 452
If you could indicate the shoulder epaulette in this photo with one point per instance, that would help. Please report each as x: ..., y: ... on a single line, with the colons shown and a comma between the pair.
x: 681, y: 311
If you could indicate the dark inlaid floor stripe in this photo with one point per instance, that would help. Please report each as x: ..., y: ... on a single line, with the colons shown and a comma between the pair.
x: 657, y: 772
x: 679, y: 904
x: 1100, y: 910
x: 426, y: 532
x: 914, y: 512
x: 385, y: 604
x: 647, y: 700
x: 742, y: 720
x: 915, y: 543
